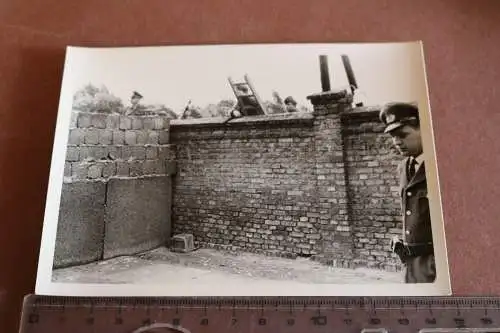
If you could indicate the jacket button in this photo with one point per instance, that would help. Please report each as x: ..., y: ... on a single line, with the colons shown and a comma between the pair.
x: 407, y: 232
x: 408, y: 212
x: 408, y: 194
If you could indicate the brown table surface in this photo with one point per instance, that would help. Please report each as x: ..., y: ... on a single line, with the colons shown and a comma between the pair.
x: 463, y: 58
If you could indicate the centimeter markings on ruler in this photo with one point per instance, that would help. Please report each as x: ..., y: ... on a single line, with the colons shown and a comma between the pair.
x: 370, y: 312
x: 375, y: 303
x: 446, y: 301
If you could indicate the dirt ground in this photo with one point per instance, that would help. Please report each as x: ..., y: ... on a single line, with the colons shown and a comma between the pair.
x: 207, y: 265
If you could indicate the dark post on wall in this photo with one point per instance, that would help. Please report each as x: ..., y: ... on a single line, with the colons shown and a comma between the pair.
x: 325, y: 75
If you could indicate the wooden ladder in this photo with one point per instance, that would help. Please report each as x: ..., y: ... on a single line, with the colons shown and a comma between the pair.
x: 248, y: 100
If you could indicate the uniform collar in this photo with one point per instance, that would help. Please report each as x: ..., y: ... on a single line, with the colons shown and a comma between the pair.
x: 419, y: 159
x: 419, y: 170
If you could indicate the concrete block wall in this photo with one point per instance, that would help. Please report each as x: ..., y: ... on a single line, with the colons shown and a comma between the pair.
x: 80, y: 230
x: 102, y: 146
x: 116, y: 194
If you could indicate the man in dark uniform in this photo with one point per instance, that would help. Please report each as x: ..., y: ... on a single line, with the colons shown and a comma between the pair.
x: 134, y: 103
x: 290, y: 104
x: 415, y: 247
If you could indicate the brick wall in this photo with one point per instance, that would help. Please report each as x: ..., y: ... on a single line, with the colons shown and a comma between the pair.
x: 331, y: 201
x: 318, y: 184
x: 371, y: 163
x: 116, y: 192
x: 247, y: 185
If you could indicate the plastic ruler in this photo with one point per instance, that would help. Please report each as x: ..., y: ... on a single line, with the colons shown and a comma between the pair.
x: 43, y: 314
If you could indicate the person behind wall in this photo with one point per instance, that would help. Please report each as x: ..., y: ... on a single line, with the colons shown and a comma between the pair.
x: 134, y: 103
x: 187, y: 111
x: 290, y: 104
x: 415, y: 248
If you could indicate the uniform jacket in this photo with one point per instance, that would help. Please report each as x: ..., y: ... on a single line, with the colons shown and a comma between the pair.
x: 416, y: 222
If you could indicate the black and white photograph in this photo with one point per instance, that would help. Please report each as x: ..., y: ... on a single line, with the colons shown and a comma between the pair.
x: 244, y: 170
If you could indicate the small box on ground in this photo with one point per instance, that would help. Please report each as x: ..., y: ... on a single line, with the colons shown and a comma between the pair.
x: 182, y: 243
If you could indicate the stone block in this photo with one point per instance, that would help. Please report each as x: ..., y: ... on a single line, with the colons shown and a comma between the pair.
x: 182, y: 243
x: 76, y: 136
x: 149, y: 167
x: 114, y: 152
x: 98, y: 120
x: 136, y: 168
x: 160, y: 123
x: 137, y: 215
x: 109, y: 169
x: 73, y: 121
x: 67, y: 169
x: 95, y: 171
x: 118, y: 137
x: 72, y: 154
x: 148, y: 123
x: 142, y: 137
x: 153, y: 167
x: 84, y: 120
x: 153, y: 138
x: 130, y: 137
x: 125, y: 123
x: 105, y: 137
x: 79, y: 170
x: 151, y: 153
x: 92, y: 137
x: 92, y: 153
x: 136, y: 123
x: 133, y: 153
x: 122, y: 169
x: 80, y: 228
x: 113, y: 121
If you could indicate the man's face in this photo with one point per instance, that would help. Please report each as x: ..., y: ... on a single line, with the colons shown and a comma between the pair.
x: 407, y: 140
